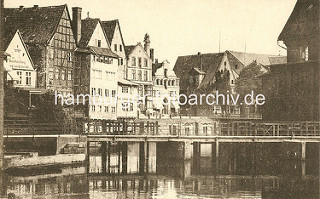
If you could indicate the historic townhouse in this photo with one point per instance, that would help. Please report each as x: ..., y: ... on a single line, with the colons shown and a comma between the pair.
x: 198, y: 73
x: 18, y: 65
x: 48, y: 35
x: 165, y: 89
x: 292, y: 90
x: 96, y: 69
x: 114, y: 35
x: 127, y: 90
x: 139, y: 71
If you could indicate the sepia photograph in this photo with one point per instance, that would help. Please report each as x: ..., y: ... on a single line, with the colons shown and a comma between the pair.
x: 160, y: 99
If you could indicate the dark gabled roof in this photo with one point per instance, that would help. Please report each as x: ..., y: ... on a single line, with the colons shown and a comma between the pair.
x: 278, y: 60
x: 36, y: 24
x: 103, y: 51
x: 109, y: 27
x: 7, y: 37
x: 129, y: 49
x: 303, y: 20
x: 197, y: 71
x: 248, y: 58
x: 155, y: 67
x: 208, y: 62
x: 98, y: 51
x: 87, y: 28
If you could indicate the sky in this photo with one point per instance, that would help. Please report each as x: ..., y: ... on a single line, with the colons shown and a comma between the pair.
x: 186, y: 27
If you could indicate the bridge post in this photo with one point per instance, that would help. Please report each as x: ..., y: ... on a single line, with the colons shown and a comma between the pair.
x: 103, y: 157
x: 187, y: 158
x: 196, y: 157
x: 215, y: 156
x: 303, y: 159
x: 108, y: 156
x: 142, y: 157
x: 303, y: 151
x: 152, y: 157
x: 88, y: 157
x: 124, y: 157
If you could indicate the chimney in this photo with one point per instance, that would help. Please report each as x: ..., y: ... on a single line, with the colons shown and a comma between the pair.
x: 199, y: 53
x: 152, y: 54
x: 76, y: 23
x: 147, y: 43
x: 35, y: 6
x: 21, y: 8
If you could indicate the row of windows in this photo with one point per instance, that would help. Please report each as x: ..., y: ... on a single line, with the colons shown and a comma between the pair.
x: 99, y: 91
x: 98, y: 74
x: 116, y: 47
x: 27, y: 78
x: 166, y: 82
x: 99, y: 108
x: 139, y: 75
x: 103, y: 59
x: 127, y: 106
x: 60, y: 74
x: 134, y: 62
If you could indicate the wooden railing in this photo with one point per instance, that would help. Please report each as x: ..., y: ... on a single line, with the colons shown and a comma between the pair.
x: 180, y: 128
x: 26, y: 128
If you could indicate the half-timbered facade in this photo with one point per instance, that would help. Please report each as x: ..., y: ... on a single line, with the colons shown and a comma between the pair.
x: 47, y: 33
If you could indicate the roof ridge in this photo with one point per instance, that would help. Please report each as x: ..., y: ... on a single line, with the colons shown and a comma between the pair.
x: 231, y: 51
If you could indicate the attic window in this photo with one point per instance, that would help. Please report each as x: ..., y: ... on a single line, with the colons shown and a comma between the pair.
x: 69, y: 56
x: 236, y: 66
x: 99, y: 43
x: 225, y: 63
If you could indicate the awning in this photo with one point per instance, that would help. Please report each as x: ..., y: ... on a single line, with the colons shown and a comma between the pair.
x: 12, y: 75
x: 127, y: 82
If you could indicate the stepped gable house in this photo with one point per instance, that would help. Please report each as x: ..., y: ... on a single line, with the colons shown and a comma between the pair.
x: 48, y: 35
x: 292, y: 90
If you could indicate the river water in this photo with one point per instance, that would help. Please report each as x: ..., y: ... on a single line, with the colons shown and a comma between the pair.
x: 288, y: 178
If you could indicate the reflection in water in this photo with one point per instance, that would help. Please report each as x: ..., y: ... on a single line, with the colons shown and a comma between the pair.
x: 240, y: 174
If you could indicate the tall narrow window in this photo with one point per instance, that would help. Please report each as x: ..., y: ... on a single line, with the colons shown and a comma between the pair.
x: 140, y: 62
x: 133, y: 61
x: 146, y: 75
x: 120, y: 48
x: 145, y: 62
x: 28, y: 78
x: 99, y: 43
x: 63, y: 75
x: 69, y: 75
x: 304, y: 53
x: 140, y: 75
x: 19, y: 73
x: 115, y: 47
x: 133, y: 74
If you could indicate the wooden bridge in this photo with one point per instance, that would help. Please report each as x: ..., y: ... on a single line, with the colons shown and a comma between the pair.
x: 176, y: 129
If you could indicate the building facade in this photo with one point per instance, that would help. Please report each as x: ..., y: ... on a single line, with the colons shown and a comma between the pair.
x: 96, y: 71
x: 139, y: 71
x: 18, y: 65
x: 47, y: 33
x: 292, y: 90
x: 198, y: 73
x: 165, y: 89
x: 114, y: 35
